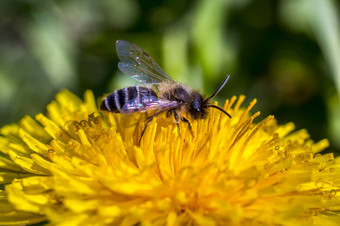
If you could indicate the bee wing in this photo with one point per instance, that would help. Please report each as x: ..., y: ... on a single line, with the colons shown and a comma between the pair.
x: 137, y: 63
x: 148, y: 103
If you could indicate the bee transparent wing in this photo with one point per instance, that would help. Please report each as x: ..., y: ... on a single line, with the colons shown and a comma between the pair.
x: 137, y: 63
x: 148, y: 103
x: 140, y: 75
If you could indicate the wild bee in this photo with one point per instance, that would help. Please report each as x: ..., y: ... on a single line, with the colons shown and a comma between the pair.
x: 160, y: 92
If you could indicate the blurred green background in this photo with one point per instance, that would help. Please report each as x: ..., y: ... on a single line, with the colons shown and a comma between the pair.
x: 284, y: 53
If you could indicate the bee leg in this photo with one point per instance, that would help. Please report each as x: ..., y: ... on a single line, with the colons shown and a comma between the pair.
x: 168, y: 114
x: 146, y: 125
x: 177, y: 122
x: 189, y: 125
x: 149, y: 119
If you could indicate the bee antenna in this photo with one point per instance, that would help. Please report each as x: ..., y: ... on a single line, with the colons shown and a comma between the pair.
x: 217, y: 91
x: 217, y: 107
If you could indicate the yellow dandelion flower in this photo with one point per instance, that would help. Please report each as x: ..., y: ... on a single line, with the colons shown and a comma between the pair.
x: 77, y: 166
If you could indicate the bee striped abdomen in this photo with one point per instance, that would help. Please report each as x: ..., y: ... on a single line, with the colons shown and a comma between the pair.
x: 116, y: 101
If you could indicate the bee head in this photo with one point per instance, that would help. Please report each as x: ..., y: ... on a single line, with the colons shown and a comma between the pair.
x: 197, y: 109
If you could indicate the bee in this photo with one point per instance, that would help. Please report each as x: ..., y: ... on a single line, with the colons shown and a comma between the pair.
x: 159, y: 91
